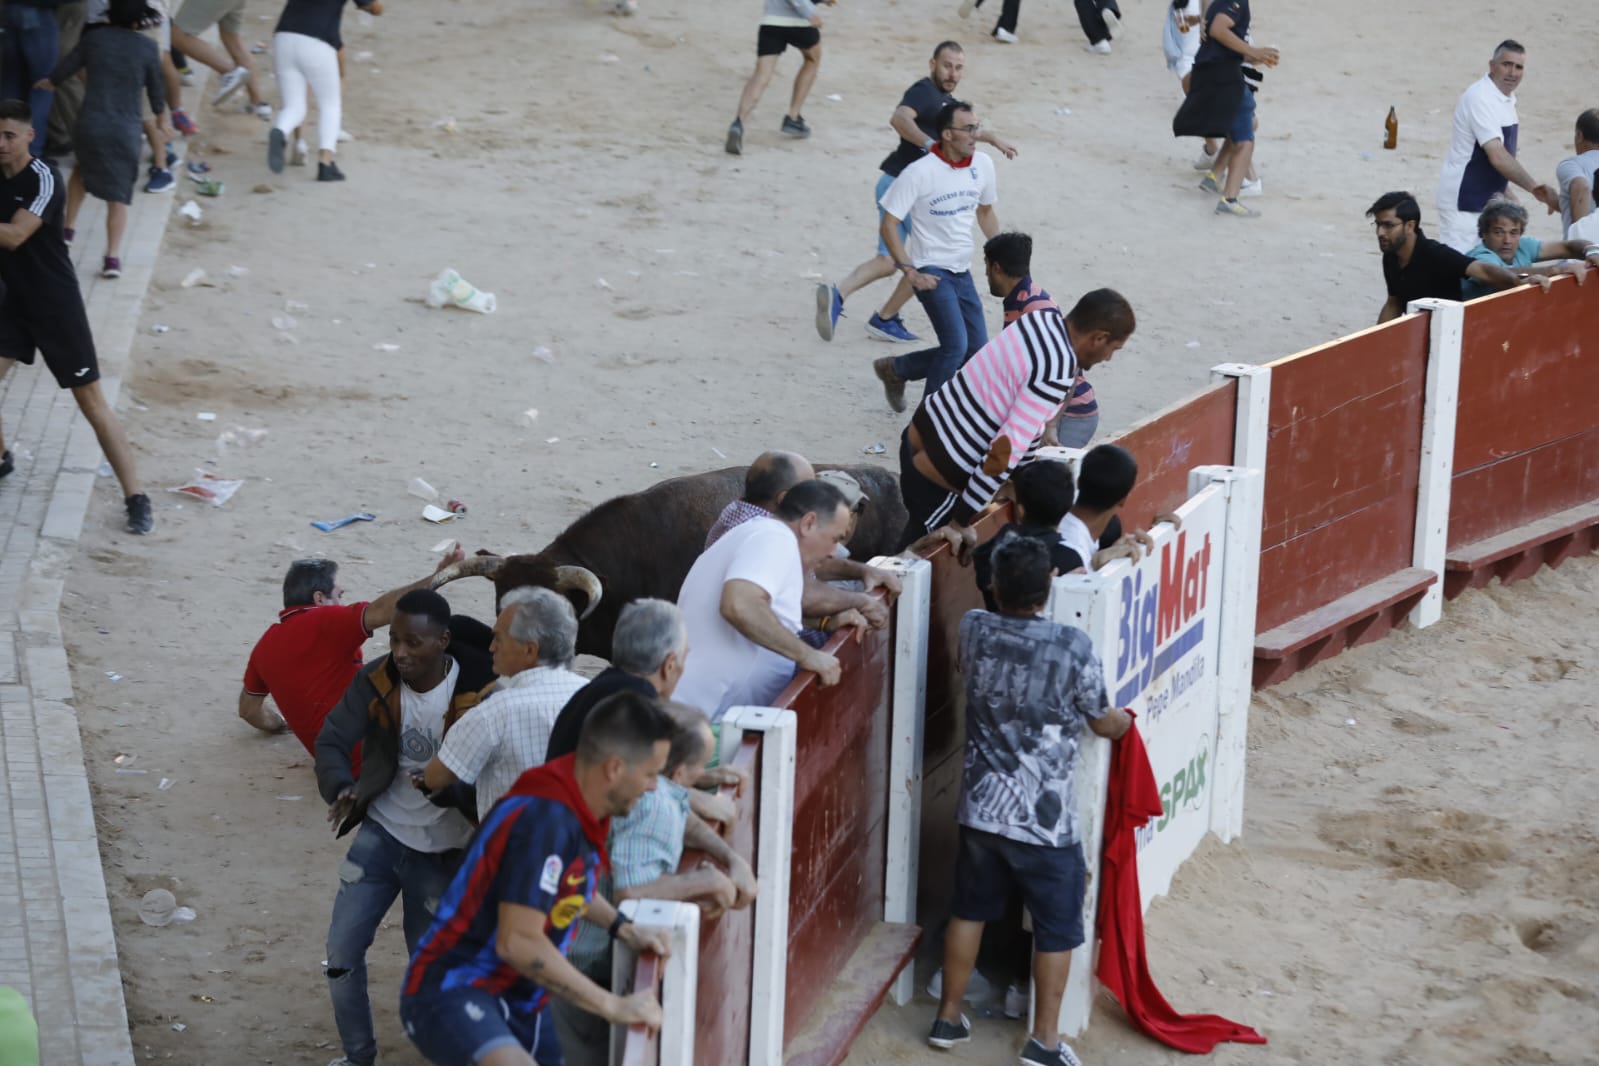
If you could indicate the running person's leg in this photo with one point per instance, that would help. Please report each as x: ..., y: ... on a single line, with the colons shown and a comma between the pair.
x: 369, y: 882
x: 319, y: 63
x: 809, y: 67
x: 765, y: 67
x: 286, y: 60
x: 943, y: 306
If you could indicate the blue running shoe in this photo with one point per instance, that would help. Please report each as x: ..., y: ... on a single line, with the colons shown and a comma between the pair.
x: 160, y: 180
x: 889, y: 329
x: 172, y: 157
x: 829, y: 306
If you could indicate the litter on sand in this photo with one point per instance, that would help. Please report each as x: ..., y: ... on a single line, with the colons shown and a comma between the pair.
x: 239, y: 437
x: 208, y: 487
x: 543, y: 354
x: 206, y: 416
x: 193, y: 277
x: 436, y: 514
x: 359, y: 516
x: 450, y: 289
x: 421, y: 489
x: 385, y: 347
x: 159, y: 328
x: 191, y: 211
x: 875, y: 449
x: 446, y: 545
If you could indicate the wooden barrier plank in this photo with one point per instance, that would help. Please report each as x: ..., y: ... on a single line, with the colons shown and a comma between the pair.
x: 1198, y: 431
x: 640, y: 1047
x: 826, y: 1040
x: 1292, y: 636
x: 1526, y: 378
x: 1317, y: 568
x: 1513, y: 491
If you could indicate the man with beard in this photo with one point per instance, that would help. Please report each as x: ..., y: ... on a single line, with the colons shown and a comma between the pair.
x: 1417, y: 267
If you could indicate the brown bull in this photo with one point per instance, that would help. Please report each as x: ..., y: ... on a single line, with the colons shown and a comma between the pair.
x: 644, y: 543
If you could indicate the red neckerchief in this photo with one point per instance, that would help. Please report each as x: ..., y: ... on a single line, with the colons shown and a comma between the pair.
x: 938, y: 150
x: 557, y: 780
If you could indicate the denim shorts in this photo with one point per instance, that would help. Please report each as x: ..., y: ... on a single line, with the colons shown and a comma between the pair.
x: 883, y: 182
x: 459, y: 1026
x: 1244, y: 121
x: 1053, y: 882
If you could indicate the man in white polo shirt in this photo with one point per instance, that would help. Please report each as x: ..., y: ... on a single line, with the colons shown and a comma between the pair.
x: 940, y: 193
x: 1482, y: 151
x: 741, y: 603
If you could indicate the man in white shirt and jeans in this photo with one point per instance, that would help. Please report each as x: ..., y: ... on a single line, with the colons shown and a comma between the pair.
x: 741, y: 603
x: 940, y: 193
x: 1482, y: 151
x: 407, y: 844
x: 535, y: 638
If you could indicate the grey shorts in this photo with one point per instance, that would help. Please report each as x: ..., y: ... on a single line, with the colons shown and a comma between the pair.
x: 197, y: 16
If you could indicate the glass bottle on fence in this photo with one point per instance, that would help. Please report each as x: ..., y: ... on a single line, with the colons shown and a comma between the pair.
x: 1392, y: 126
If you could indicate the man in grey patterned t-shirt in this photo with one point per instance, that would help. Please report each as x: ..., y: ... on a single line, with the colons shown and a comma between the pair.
x: 1031, y: 684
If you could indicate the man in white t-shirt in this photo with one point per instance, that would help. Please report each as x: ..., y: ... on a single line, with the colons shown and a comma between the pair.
x: 940, y: 194
x: 1575, y: 174
x: 407, y: 843
x: 535, y: 638
x: 741, y: 603
x: 1482, y: 150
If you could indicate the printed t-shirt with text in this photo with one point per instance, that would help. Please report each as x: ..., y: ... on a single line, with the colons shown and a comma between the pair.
x: 941, y: 202
x: 1030, y: 685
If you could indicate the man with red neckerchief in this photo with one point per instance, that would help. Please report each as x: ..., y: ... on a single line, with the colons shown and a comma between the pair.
x: 940, y: 193
x: 307, y: 660
x: 479, y: 985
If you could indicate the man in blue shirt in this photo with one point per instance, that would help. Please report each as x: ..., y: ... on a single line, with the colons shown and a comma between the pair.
x: 476, y: 990
x: 1501, y: 227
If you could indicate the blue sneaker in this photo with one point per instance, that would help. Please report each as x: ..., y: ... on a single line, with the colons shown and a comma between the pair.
x: 889, y: 329
x: 829, y: 306
x: 197, y: 169
x: 161, y: 180
x: 172, y: 157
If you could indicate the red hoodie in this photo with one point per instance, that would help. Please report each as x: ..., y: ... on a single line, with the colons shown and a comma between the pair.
x: 1123, y: 964
x: 557, y: 780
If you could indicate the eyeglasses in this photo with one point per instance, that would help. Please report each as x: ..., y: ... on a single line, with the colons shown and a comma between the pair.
x: 972, y: 129
x: 1387, y: 224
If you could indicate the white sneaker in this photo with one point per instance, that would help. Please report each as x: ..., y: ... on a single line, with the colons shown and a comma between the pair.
x: 1018, y: 998
x: 1206, y: 159
x: 297, y: 157
x: 231, y: 83
x: 1005, y: 37
x: 345, y: 135
x: 1113, y: 24
x: 977, y: 989
x: 1251, y: 188
x: 1100, y: 48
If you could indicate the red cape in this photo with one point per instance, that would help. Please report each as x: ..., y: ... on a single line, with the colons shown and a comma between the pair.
x: 1123, y: 964
x: 557, y: 780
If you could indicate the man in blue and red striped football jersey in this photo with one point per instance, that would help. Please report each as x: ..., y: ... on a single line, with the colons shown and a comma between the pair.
x: 478, y: 985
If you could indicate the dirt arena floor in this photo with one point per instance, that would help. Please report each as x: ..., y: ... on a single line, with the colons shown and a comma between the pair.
x: 1416, y: 888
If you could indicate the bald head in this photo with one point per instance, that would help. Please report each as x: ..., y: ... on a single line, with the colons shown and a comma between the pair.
x: 772, y: 474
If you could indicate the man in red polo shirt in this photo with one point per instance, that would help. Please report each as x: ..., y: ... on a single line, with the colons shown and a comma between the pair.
x: 307, y: 660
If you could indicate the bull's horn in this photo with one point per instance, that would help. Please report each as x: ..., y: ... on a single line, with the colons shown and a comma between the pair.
x: 477, y: 566
x: 579, y: 579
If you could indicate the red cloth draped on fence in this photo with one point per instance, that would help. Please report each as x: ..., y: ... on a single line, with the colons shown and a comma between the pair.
x: 1123, y: 964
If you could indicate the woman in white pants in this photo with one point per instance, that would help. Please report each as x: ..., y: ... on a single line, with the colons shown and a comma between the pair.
x: 305, y: 52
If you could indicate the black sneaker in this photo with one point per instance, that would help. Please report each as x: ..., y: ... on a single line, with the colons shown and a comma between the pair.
x: 1036, y: 1054
x: 140, y: 519
x: 329, y: 172
x: 6, y: 465
x: 946, y: 1035
x: 795, y: 127
x: 735, y: 138
x: 276, y: 144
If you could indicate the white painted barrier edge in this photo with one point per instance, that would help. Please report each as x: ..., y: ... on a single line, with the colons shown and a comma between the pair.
x: 679, y: 980
x: 1440, y: 410
x: 774, y: 858
x: 907, y: 719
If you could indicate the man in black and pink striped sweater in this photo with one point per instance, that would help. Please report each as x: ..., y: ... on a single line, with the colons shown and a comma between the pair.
x: 965, y: 439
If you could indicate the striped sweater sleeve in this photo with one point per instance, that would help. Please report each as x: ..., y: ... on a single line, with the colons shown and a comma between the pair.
x: 1009, y: 388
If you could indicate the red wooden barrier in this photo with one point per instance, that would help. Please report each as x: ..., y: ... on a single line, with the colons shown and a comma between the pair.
x: 641, y: 1047
x: 727, y: 942
x: 1196, y: 432
x: 840, y: 817
x: 1526, y: 483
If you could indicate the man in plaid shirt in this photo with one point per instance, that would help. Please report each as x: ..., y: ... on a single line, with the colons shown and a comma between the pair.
x: 535, y: 638
x: 646, y: 849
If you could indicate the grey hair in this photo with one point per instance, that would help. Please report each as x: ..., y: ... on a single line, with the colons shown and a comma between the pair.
x: 647, y: 631
x: 545, y: 617
x: 1501, y: 208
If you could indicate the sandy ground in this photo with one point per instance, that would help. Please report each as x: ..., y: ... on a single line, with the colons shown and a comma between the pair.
x: 1417, y: 898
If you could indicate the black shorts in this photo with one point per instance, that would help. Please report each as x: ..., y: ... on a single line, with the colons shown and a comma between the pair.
x: 61, y: 333
x: 1053, y: 883
x: 772, y: 40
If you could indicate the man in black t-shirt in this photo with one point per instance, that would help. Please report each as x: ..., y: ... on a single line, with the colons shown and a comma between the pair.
x: 41, y: 308
x: 1417, y: 267
x: 916, y: 122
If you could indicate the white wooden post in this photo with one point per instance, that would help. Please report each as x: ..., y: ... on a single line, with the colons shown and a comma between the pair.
x: 773, y: 865
x: 907, y: 716
x: 1447, y: 322
x: 1085, y: 602
x: 679, y: 979
x: 1254, y: 411
x: 1235, y: 646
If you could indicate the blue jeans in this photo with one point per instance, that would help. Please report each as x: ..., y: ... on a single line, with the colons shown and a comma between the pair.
x: 376, y: 869
x: 957, y: 316
x: 29, y: 40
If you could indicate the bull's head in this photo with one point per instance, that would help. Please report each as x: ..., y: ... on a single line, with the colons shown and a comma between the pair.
x: 517, y: 571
